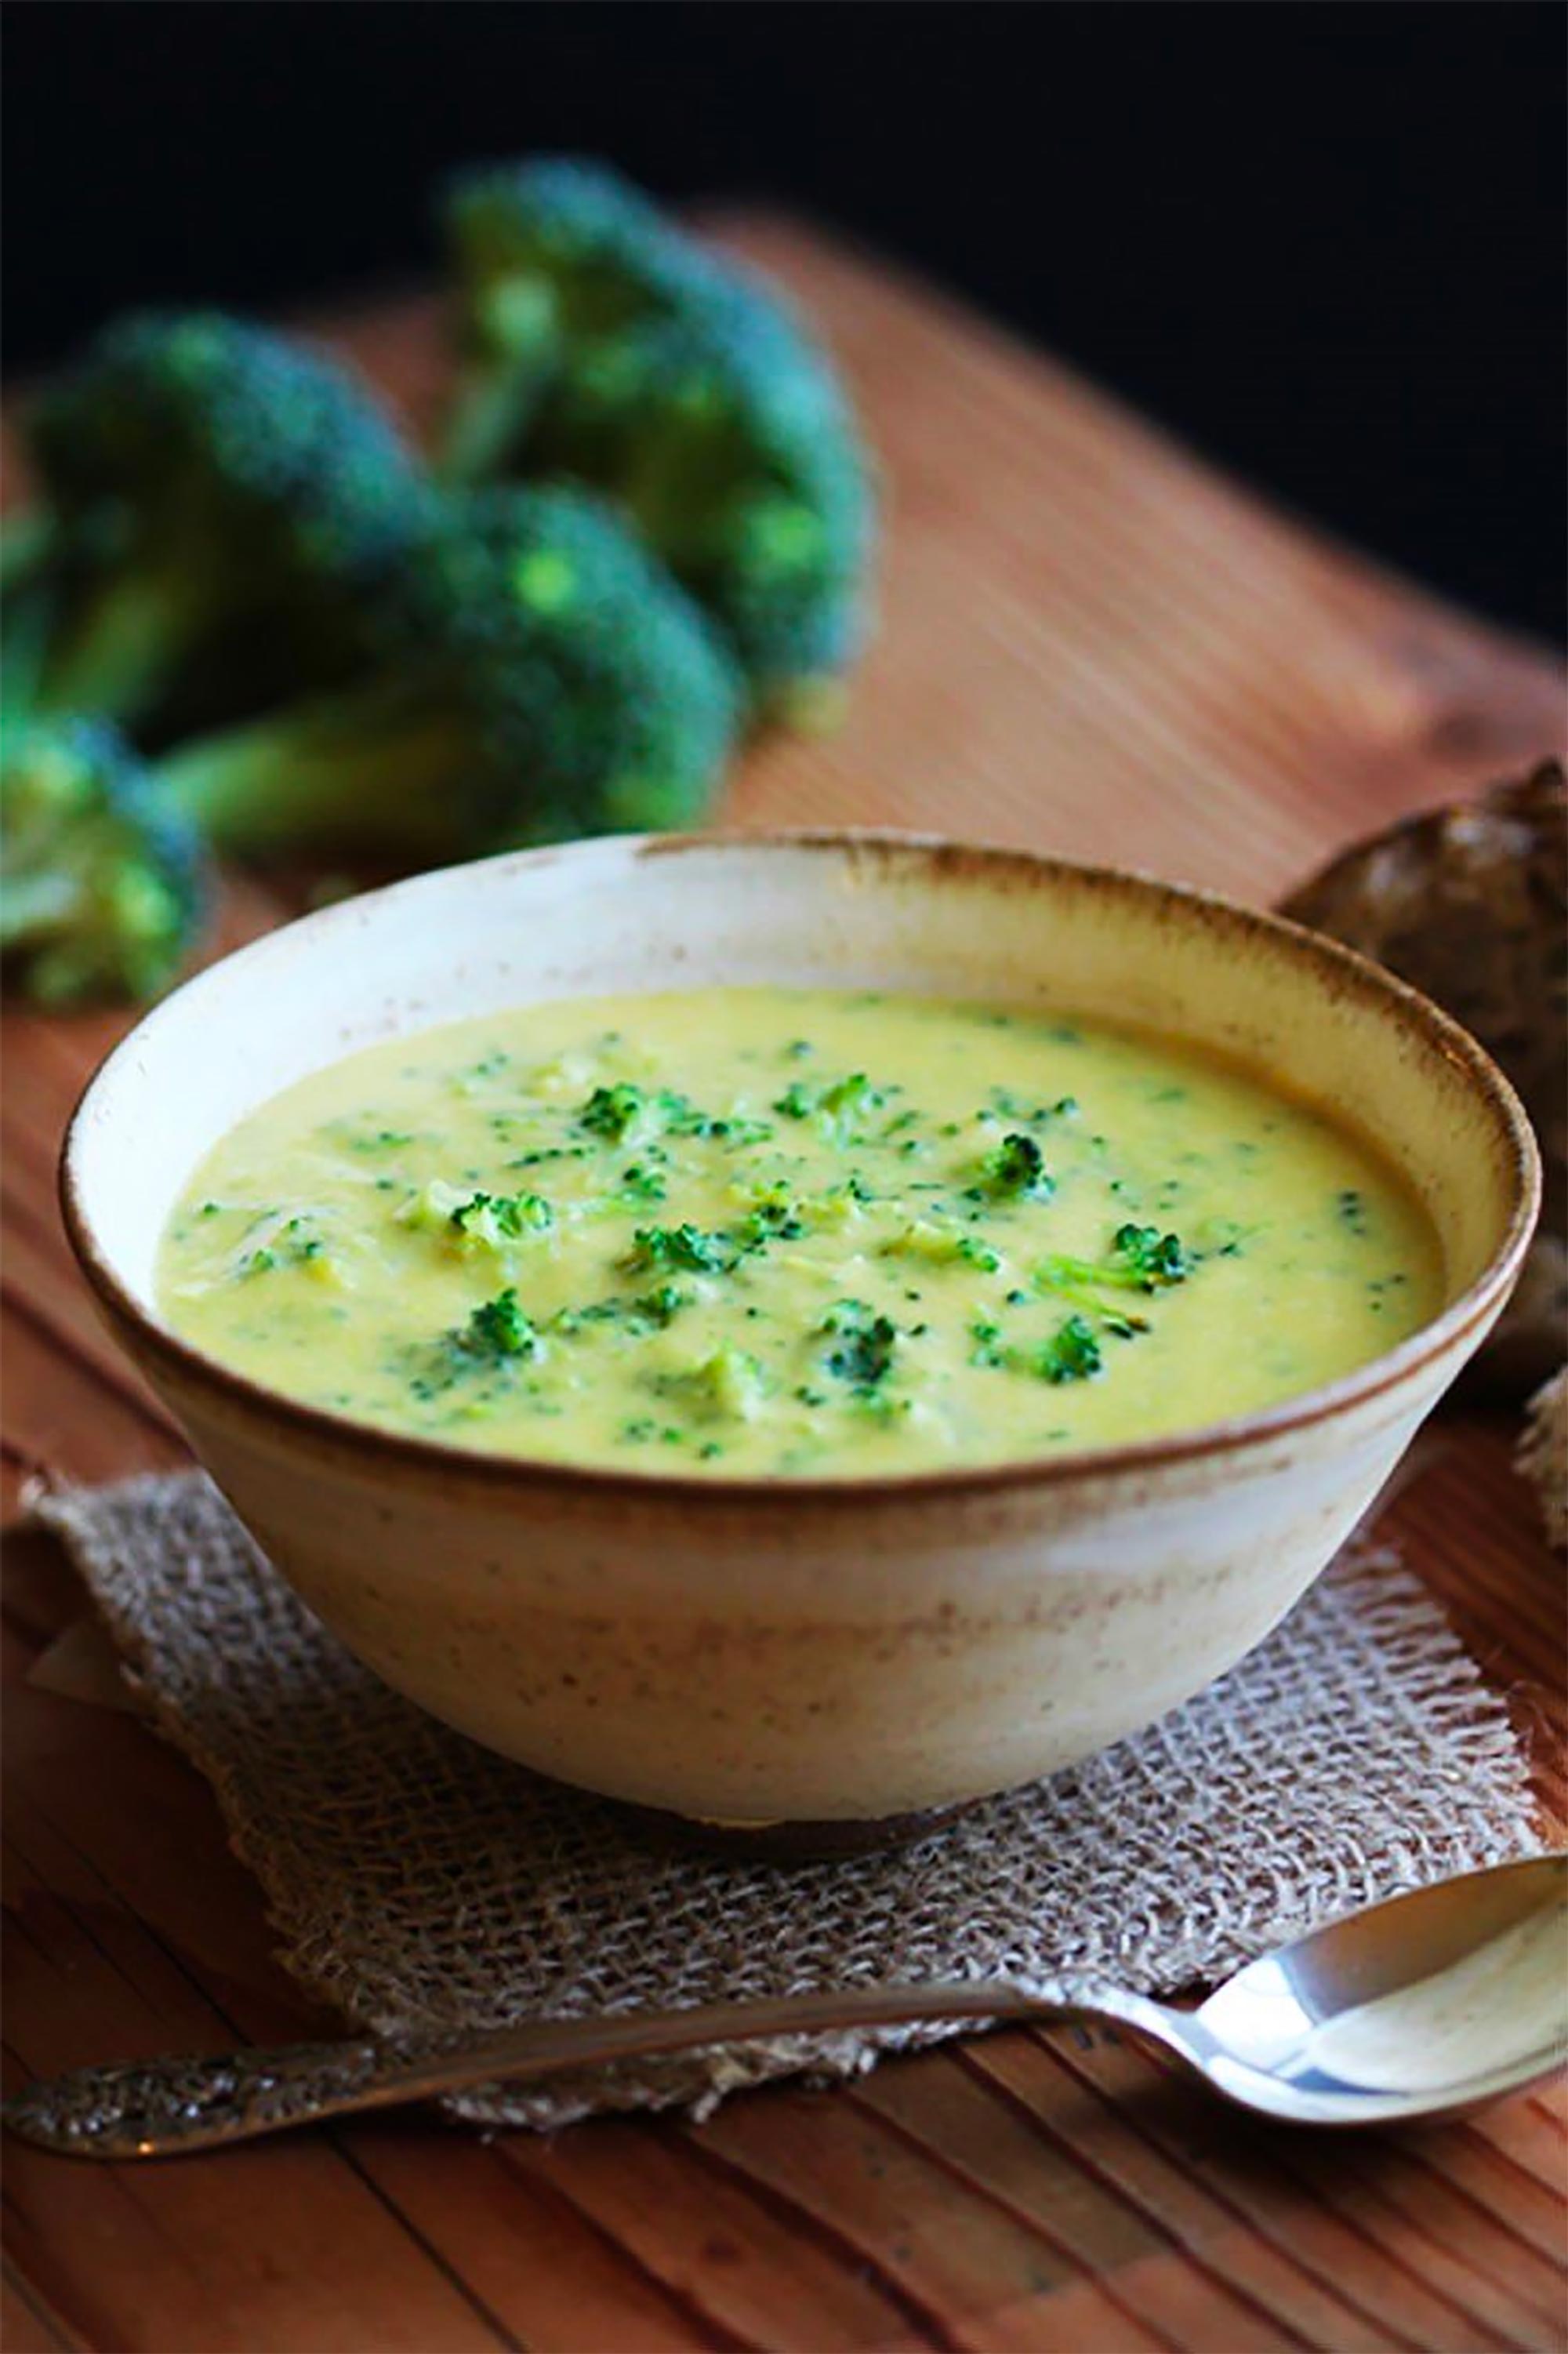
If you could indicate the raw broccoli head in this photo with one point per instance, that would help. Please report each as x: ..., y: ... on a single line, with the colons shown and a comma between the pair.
x: 605, y: 704
x: 723, y: 430
x: 542, y: 677
x: 105, y: 888
x: 546, y: 255
x: 600, y: 344
x: 224, y: 502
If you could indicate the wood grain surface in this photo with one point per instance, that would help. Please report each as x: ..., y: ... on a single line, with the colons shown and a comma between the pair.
x: 1092, y: 643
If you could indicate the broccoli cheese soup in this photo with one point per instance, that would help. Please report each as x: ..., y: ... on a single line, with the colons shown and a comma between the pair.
x: 768, y: 1232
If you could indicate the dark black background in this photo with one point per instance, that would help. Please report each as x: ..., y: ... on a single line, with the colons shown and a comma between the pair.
x: 1325, y: 242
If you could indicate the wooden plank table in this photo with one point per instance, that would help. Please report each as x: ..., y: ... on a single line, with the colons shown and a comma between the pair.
x: 1091, y: 643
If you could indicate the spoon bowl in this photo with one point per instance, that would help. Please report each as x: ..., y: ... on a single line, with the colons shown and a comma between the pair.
x: 1421, y: 2006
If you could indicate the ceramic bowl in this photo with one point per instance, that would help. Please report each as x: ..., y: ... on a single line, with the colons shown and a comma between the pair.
x: 843, y: 1655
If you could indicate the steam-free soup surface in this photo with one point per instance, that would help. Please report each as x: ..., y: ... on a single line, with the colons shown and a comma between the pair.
x: 748, y: 1232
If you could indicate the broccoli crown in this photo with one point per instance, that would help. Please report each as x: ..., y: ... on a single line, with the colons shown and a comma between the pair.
x: 596, y: 695
x: 498, y: 1328
x: 1072, y: 1354
x: 1150, y: 1258
x: 723, y: 431
x: 105, y: 888
x: 200, y: 416
x: 864, y: 1344
x: 601, y: 342
x: 557, y: 247
x: 207, y: 474
x: 1017, y: 1167
x: 549, y: 255
x: 540, y: 677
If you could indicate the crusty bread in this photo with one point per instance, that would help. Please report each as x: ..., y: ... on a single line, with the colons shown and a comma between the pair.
x: 1470, y: 903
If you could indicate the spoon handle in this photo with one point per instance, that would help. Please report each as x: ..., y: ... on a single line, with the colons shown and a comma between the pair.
x: 158, y: 2108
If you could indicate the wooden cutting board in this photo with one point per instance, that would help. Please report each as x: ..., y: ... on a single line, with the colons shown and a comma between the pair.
x: 1089, y: 643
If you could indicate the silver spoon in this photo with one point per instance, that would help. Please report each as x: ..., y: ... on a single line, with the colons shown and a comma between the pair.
x: 1416, y: 2007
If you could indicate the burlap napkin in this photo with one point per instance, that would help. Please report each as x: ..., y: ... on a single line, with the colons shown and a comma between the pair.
x: 421, y: 1883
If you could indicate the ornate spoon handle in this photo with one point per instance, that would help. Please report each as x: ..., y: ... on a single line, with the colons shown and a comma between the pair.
x: 159, y: 2107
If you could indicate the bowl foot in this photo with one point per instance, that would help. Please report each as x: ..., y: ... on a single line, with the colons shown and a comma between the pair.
x: 791, y: 1842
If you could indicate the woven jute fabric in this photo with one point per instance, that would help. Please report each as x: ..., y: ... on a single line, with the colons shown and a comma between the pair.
x: 420, y: 1883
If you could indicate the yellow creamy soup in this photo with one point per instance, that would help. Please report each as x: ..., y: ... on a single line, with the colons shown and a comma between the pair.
x: 754, y: 1230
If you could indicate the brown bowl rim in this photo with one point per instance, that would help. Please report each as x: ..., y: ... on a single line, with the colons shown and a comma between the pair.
x: 330, y: 1433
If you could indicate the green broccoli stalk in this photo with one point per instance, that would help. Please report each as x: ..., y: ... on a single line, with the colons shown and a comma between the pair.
x: 601, y: 346
x: 547, y: 256
x: 26, y: 622
x: 27, y: 602
x: 1141, y: 1259
x: 103, y: 889
x: 222, y: 509
x: 541, y: 677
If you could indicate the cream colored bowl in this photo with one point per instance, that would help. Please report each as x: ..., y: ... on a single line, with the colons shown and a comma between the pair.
x: 793, y: 1651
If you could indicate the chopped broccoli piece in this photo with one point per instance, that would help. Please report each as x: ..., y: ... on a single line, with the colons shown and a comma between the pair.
x: 1017, y: 1168
x: 728, y: 1385
x: 1142, y: 1259
x: 224, y: 508
x: 497, y: 1337
x: 616, y: 1112
x: 838, y: 1205
x: 613, y: 1112
x: 775, y: 1217
x: 599, y: 343
x: 544, y: 678
x: 677, y: 1115
x: 663, y: 1304
x: 864, y: 1344
x: 465, y: 1218
x: 849, y: 1100
x: 287, y: 1242
x: 1072, y: 1354
x: 1150, y: 1258
x: 989, y: 1349
x: 497, y: 1219
x: 498, y: 1329
x: 572, y: 1321
x: 434, y: 1208
x: 841, y: 1104
x: 941, y: 1247
x: 640, y: 1183
x: 685, y: 1246
x: 103, y: 890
